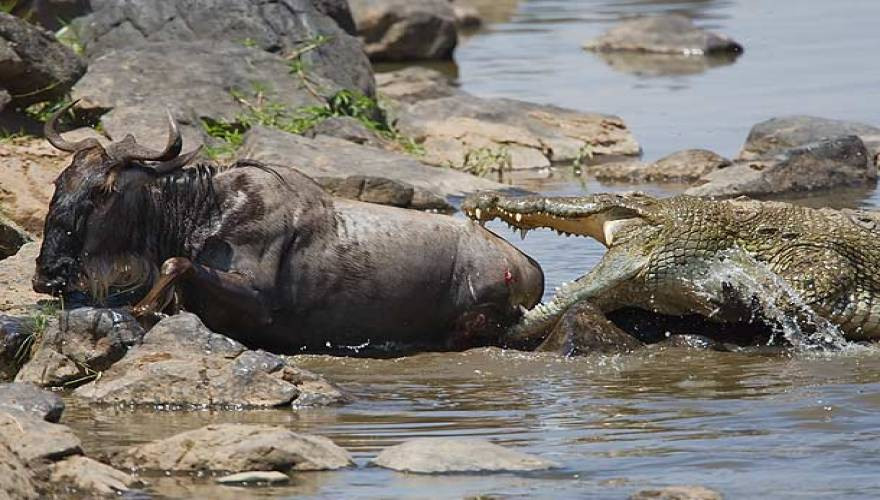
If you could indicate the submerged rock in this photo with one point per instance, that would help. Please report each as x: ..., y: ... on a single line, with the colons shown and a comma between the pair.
x: 691, y: 342
x: 34, y: 66
x: 31, y: 399
x: 664, y: 34
x: 183, y: 364
x: 331, y: 157
x: 584, y: 329
x: 441, y: 455
x: 677, y: 493
x: 35, y: 440
x: 406, y: 30
x: 836, y: 162
x: 252, y: 477
x: 776, y: 135
x: 235, y: 447
x: 82, y: 475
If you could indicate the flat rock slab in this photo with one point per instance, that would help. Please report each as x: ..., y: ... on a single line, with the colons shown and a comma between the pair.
x: 83, y: 475
x: 776, y: 135
x: 182, y: 364
x: 34, y: 440
x: 531, y: 135
x: 283, y: 27
x: 439, y: 455
x: 29, y: 398
x: 235, y: 447
x: 406, y: 30
x: 414, y: 84
x: 331, y: 157
x: 677, y: 493
x: 665, y: 34
x: 687, y: 166
x: 384, y: 192
x: 830, y: 163
x: 254, y: 477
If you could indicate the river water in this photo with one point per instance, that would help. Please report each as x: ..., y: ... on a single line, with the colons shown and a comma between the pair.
x: 749, y: 425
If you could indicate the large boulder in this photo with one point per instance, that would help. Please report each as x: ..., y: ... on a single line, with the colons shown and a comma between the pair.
x: 196, y: 81
x: 339, y: 11
x: 233, y: 448
x: 18, y: 295
x: 34, y: 66
x: 29, y: 398
x: 35, y: 440
x: 664, y: 34
x: 331, y: 157
x: 299, y: 28
x: 404, y: 30
x: 584, y: 329
x: 29, y: 167
x: 452, y: 129
x: 776, y: 135
x: 182, y: 364
x: 12, y: 237
x: 442, y: 455
x: 79, y: 345
x: 686, y: 167
x: 829, y: 163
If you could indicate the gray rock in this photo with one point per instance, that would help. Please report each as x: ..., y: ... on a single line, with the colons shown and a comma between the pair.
x: 182, y: 364
x: 34, y: 440
x: 194, y: 80
x: 837, y: 162
x: 12, y: 237
x: 664, y: 34
x: 583, y: 329
x: 441, y: 455
x: 687, y: 166
x: 252, y: 477
x: 34, y: 66
x: 467, y: 17
x: 235, y: 447
x: 331, y: 157
x: 14, y: 332
x: 31, y: 399
x: 406, y: 30
x: 349, y: 129
x: 81, y: 344
x: 78, y: 475
x: 383, y: 191
x: 533, y: 135
x: 414, y: 84
x: 284, y: 26
x: 339, y: 11
x: 15, y: 479
x: 677, y: 493
x: 776, y: 135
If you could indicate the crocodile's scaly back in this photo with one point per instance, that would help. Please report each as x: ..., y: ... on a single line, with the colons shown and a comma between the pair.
x: 829, y: 258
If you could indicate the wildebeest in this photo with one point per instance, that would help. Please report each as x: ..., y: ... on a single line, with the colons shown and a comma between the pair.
x: 265, y: 256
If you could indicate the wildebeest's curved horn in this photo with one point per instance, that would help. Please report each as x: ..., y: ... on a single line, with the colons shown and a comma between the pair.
x: 128, y: 149
x: 173, y: 164
x: 55, y: 139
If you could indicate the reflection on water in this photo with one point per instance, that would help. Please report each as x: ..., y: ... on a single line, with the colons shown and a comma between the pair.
x: 641, y: 64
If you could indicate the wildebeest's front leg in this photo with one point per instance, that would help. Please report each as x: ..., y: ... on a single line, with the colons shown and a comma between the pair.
x: 229, y: 291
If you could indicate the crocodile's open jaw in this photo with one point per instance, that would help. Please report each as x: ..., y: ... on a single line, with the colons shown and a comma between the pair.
x: 527, y: 213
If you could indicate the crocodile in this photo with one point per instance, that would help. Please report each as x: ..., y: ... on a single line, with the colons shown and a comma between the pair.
x: 808, y: 271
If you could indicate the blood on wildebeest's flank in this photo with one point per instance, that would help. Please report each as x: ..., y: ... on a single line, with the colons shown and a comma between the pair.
x: 264, y: 255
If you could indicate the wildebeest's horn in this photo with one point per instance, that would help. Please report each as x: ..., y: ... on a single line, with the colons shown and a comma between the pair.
x: 173, y: 164
x: 128, y: 149
x: 59, y: 142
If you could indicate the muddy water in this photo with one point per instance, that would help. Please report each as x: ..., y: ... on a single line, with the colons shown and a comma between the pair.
x: 749, y: 425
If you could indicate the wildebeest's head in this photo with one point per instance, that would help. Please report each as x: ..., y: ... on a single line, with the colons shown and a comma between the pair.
x: 94, y: 211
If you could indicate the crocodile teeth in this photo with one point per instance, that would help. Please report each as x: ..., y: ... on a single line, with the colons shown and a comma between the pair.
x: 518, y: 217
x: 477, y: 213
x: 523, y: 232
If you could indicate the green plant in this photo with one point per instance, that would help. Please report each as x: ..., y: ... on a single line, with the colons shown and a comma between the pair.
x: 68, y: 36
x: 250, y: 43
x: 584, y: 155
x: 37, y: 323
x: 42, y: 111
x: 484, y: 161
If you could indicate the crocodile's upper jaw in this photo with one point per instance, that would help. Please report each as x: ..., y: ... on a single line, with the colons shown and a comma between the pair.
x: 601, y: 226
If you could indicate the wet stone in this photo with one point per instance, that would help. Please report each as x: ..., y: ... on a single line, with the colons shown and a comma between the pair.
x: 677, y: 493
x: 254, y: 477
x: 34, y: 440
x: 440, y: 455
x: 31, y: 399
x: 83, y: 475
